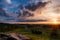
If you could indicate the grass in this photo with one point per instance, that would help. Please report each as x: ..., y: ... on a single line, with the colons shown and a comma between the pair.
x: 20, y: 29
x: 29, y: 34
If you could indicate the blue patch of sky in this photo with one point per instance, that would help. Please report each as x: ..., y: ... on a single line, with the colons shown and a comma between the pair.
x: 14, y: 5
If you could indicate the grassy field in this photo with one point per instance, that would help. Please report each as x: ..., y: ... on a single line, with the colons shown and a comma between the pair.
x: 28, y: 34
x: 21, y: 29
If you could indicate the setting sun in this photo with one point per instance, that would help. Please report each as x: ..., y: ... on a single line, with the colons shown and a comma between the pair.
x: 55, y: 21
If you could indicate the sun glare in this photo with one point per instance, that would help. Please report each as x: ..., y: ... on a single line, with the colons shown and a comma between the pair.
x: 54, y: 20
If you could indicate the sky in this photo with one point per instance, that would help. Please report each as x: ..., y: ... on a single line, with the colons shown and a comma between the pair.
x: 11, y: 6
x: 14, y: 3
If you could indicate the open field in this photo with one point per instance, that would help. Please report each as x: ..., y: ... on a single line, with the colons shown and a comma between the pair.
x: 35, y: 32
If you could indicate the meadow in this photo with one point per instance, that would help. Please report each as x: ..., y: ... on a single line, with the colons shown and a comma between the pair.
x: 35, y: 32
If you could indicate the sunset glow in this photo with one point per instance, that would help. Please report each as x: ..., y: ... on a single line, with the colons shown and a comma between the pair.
x: 55, y: 21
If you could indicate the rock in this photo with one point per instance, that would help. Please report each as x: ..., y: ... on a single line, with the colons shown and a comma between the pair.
x: 14, y: 36
x: 23, y: 37
x: 6, y: 37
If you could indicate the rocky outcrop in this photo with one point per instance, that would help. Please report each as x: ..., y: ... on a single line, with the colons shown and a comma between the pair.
x: 13, y: 36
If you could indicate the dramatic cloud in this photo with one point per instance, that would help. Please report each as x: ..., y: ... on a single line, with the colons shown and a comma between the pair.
x: 8, y: 1
x: 42, y: 10
x: 50, y: 11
